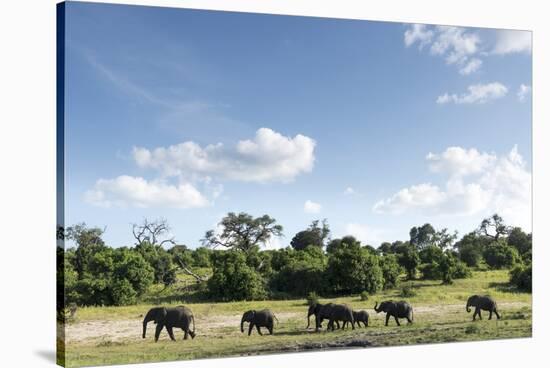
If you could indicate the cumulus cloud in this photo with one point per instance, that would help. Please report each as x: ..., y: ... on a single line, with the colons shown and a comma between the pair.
x: 508, y: 42
x: 312, y: 207
x: 269, y: 156
x: 477, y: 94
x: 418, y: 33
x: 457, y: 161
x: 477, y: 183
x: 472, y: 66
x: 129, y: 191
x: 464, y: 48
x: 523, y: 92
x: 454, y: 44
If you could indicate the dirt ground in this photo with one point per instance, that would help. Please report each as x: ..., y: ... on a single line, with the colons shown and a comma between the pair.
x: 131, y: 329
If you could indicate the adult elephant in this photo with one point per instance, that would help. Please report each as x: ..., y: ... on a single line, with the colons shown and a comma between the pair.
x: 400, y: 309
x: 262, y: 318
x: 178, y: 317
x: 482, y: 302
x: 335, y: 313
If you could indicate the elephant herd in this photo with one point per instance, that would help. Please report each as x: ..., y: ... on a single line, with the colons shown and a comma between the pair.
x: 182, y: 317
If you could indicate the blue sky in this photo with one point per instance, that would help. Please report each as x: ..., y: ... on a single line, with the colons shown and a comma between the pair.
x: 376, y: 126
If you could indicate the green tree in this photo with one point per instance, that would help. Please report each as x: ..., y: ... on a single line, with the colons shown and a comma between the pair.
x: 471, y: 248
x: 493, y: 227
x: 243, y: 232
x: 409, y: 259
x: 314, y: 235
x: 500, y: 255
x: 353, y: 269
x: 344, y: 242
x: 234, y: 279
x: 520, y: 240
x: 422, y: 236
x: 521, y: 277
x: 390, y: 270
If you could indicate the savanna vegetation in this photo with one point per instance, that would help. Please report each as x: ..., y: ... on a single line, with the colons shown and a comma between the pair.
x: 230, y: 273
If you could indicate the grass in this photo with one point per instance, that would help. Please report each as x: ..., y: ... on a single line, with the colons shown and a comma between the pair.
x: 440, y: 316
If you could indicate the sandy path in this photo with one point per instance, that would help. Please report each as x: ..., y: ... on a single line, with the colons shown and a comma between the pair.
x: 215, y: 326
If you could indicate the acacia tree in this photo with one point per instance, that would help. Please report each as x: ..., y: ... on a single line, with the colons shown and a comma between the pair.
x: 493, y: 227
x: 314, y: 235
x: 242, y: 232
x: 150, y: 237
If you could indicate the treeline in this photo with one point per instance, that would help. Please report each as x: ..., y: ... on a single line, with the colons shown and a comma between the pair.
x: 92, y: 273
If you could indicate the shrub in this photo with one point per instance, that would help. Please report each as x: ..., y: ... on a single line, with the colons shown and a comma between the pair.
x: 352, y: 269
x: 521, y: 277
x: 499, y: 255
x: 234, y: 279
x: 407, y: 291
x: 364, y: 296
x: 390, y: 270
x: 472, y: 329
x: 312, y: 298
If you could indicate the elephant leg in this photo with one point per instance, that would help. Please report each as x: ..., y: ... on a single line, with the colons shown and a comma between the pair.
x: 409, y: 319
x: 387, y: 318
x: 397, y: 320
x: 258, y: 328
x: 250, y: 327
x: 498, y: 315
x: 159, y: 328
x: 366, y: 323
x: 337, y: 325
x: 479, y: 314
x: 270, y: 328
x: 186, y: 335
x: 352, y: 326
x: 170, y: 333
x: 490, y: 314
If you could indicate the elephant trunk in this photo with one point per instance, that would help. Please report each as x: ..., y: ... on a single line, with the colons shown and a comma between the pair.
x: 150, y: 316
x: 468, y: 308
x: 376, y: 310
x: 145, y: 321
x: 242, y: 324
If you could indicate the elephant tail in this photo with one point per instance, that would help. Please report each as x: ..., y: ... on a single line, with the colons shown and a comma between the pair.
x: 412, y: 314
x: 193, y: 319
x: 276, y: 319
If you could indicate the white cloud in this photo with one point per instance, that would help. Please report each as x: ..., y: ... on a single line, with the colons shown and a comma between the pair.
x: 458, y: 161
x: 349, y: 191
x: 477, y: 94
x: 365, y: 233
x: 312, y: 207
x: 269, y: 156
x: 508, y: 41
x: 418, y: 33
x: 523, y: 92
x: 472, y: 66
x: 478, y: 183
x: 454, y: 44
x: 464, y: 48
x: 129, y: 191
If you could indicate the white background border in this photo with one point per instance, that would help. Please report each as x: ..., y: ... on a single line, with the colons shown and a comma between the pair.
x: 27, y: 179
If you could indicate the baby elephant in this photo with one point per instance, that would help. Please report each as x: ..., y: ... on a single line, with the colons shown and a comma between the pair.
x: 262, y: 318
x: 482, y: 303
x: 361, y: 316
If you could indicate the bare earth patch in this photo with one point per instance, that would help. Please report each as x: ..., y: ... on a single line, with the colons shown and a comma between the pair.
x: 222, y: 325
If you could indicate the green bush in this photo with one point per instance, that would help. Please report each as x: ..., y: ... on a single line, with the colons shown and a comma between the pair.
x: 352, y: 269
x: 233, y: 279
x: 300, y: 272
x: 407, y: 291
x: 500, y: 255
x: 521, y: 277
x: 364, y: 296
x: 390, y: 270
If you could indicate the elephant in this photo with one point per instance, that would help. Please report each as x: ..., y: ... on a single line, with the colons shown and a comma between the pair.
x: 262, y: 318
x: 398, y: 310
x: 481, y: 302
x: 361, y: 316
x: 333, y: 312
x: 179, y: 317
